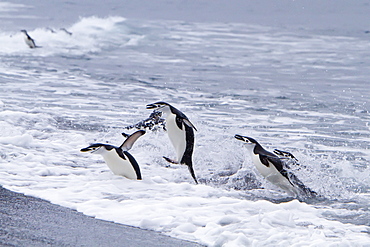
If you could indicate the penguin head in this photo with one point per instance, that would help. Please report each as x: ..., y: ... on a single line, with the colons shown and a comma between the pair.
x: 246, y: 139
x: 251, y: 143
x: 159, y: 106
x: 97, y: 148
x: 25, y: 33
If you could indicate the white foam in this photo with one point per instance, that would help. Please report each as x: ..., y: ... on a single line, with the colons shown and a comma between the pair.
x: 88, y: 35
x: 161, y: 202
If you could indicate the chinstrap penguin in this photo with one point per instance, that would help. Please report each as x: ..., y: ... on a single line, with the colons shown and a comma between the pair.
x: 289, y: 158
x: 272, y: 168
x: 118, y: 159
x: 66, y: 31
x: 181, y: 134
x: 29, y: 41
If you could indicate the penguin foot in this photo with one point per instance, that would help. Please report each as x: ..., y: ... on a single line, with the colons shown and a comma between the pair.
x: 170, y: 160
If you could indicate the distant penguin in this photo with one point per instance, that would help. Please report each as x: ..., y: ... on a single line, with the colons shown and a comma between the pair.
x: 66, y: 31
x: 29, y: 41
x: 50, y: 29
x: 272, y: 168
x: 180, y: 132
x: 118, y: 159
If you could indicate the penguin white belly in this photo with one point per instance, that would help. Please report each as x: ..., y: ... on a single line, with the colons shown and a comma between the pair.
x: 29, y: 42
x: 119, y: 166
x: 274, y: 176
x: 176, y: 135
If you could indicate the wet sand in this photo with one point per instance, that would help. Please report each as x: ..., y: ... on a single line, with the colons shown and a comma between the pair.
x: 29, y: 221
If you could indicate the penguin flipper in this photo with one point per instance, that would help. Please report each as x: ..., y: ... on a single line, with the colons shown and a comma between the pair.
x: 134, y: 164
x: 275, y: 161
x: 188, y: 123
x: 267, y: 160
x: 131, y: 139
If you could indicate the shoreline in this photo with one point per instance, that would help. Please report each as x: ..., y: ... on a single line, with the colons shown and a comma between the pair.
x: 30, y: 221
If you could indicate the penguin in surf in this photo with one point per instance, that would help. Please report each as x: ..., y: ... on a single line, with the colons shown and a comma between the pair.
x: 181, y: 134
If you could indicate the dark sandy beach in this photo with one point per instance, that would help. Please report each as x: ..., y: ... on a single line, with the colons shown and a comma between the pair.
x: 29, y: 221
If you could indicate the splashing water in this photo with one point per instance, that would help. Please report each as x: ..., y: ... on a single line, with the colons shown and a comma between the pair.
x: 306, y: 94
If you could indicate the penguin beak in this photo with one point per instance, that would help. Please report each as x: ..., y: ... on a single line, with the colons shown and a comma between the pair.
x: 86, y: 150
x: 91, y: 149
x: 151, y: 106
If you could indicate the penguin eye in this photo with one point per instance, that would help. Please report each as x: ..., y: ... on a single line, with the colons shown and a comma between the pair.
x: 95, y: 148
x: 246, y: 141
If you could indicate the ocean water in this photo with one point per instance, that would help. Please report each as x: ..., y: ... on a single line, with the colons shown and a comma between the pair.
x: 305, y: 91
